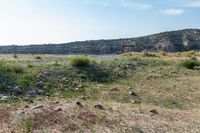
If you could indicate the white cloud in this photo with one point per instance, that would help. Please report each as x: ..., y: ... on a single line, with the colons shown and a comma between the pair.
x: 96, y: 2
x: 193, y: 4
x: 135, y: 5
x: 174, y: 11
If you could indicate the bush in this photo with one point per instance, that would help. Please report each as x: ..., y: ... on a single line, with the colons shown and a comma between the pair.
x: 190, y: 54
x: 81, y: 61
x: 17, y: 69
x: 38, y: 57
x: 7, y: 68
x: 163, y: 53
x: 146, y: 53
x: 15, y: 56
x: 189, y: 64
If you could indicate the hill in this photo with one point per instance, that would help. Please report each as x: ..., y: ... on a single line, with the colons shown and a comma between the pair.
x: 173, y: 41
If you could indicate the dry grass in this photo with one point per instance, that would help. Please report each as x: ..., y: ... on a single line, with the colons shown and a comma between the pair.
x: 170, y: 90
x: 116, y: 117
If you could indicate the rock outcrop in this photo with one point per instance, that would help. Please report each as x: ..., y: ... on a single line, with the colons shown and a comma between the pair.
x: 173, y: 41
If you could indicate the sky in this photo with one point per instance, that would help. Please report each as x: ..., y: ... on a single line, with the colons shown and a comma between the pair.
x: 58, y: 21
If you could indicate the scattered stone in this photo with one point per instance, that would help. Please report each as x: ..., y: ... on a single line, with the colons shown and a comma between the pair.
x: 17, y: 91
x: 26, y: 106
x: 99, y: 106
x: 77, y: 89
x: 58, y: 109
x: 41, y: 92
x: 14, y: 98
x: 66, y: 89
x: 114, y: 89
x: 141, y: 131
x: 1, y: 95
x: 136, y: 101
x: 33, y: 92
x: 130, y: 88
x: 40, y: 84
x: 79, y: 104
x: 85, y: 97
x: 21, y: 113
x: 131, y: 93
x: 45, y: 88
x: 154, y: 111
x: 38, y: 107
x: 80, y: 86
x: 39, y: 75
x: 4, y: 98
x: 58, y: 94
x: 57, y: 102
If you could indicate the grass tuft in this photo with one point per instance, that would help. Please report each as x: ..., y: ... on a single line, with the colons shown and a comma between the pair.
x: 190, y: 64
x: 81, y: 61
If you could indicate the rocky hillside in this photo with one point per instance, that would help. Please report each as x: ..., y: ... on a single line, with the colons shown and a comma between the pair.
x: 173, y: 41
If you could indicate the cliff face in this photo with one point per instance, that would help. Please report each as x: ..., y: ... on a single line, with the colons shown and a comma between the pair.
x: 168, y: 41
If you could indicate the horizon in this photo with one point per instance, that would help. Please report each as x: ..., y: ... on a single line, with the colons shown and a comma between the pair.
x: 53, y: 22
x: 97, y: 39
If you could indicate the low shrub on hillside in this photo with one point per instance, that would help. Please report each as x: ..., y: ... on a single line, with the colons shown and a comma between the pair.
x: 81, y: 61
x: 8, y: 75
x: 6, y: 68
x: 38, y: 57
x: 146, y: 53
x: 15, y: 56
x: 190, y: 64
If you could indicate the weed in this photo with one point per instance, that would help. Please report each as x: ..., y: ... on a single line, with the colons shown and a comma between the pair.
x: 81, y: 61
x: 38, y: 57
x: 28, y: 124
x: 189, y: 64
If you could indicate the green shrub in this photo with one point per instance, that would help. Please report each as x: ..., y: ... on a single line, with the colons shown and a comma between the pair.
x: 190, y: 64
x: 81, y: 61
x: 190, y: 54
x: 38, y: 57
x: 15, y: 56
x: 146, y: 53
x: 27, y: 122
x: 17, y: 69
x: 7, y: 68
x: 163, y: 53
x: 25, y: 80
x: 30, y: 66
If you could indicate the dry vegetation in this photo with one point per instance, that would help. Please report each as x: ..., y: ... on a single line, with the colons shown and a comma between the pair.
x: 140, y: 93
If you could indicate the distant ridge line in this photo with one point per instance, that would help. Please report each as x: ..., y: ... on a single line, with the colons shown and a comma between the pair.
x: 170, y: 41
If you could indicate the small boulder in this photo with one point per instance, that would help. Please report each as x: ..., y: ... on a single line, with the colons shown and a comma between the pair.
x: 21, y: 113
x: 57, y: 102
x: 33, y: 92
x: 153, y: 111
x: 85, y: 97
x: 26, y: 106
x: 131, y: 93
x: 80, y: 86
x: 17, y: 91
x: 58, y: 109
x: 40, y: 84
x: 78, y: 103
x: 114, y: 89
x: 99, y: 106
x: 38, y: 107
x: 41, y: 92
x: 4, y: 98
x: 45, y: 88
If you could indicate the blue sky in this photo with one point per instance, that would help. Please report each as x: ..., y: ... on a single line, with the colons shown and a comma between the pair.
x: 58, y: 21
